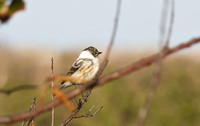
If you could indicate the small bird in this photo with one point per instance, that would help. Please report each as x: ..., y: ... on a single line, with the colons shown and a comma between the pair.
x: 85, y: 67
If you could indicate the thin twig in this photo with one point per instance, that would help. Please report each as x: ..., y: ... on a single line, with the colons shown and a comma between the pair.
x: 114, y: 32
x: 32, y: 107
x: 110, y: 77
x: 153, y: 85
x: 52, y: 95
x: 105, y: 61
x: 88, y: 114
x: 79, y: 106
x: 171, y: 24
x: 163, y: 22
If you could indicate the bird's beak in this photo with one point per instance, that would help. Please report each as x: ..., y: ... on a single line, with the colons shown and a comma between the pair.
x: 99, y: 53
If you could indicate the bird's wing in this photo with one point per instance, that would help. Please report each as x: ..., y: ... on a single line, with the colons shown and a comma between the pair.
x: 76, y: 65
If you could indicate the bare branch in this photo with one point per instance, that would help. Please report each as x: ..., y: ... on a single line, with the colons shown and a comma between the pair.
x: 171, y: 23
x: 153, y: 85
x: 145, y: 62
x: 52, y: 95
x: 114, y: 32
x: 157, y: 70
x: 32, y: 107
x: 80, y: 104
x: 105, y: 61
x: 18, y: 88
x: 163, y: 22
x: 88, y: 114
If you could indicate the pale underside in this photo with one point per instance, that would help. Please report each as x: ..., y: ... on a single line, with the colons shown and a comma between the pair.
x: 83, y: 69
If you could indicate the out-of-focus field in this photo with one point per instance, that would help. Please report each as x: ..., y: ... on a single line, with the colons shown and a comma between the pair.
x: 176, y: 102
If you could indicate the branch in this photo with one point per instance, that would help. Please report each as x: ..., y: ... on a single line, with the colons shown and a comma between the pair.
x: 163, y: 22
x: 80, y: 104
x: 32, y: 107
x: 105, y: 61
x: 158, y: 65
x: 52, y: 95
x: 146, y: 62
x: 115, y: 75
x: 171, y: 23
x: 88, y: 114
x: 18, y: 88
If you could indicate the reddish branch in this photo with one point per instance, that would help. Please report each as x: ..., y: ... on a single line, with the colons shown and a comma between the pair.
x: 145, y: 62
x: 119, y: 73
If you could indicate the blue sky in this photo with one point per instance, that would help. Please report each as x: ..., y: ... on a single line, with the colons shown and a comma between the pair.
x: 70, y: 24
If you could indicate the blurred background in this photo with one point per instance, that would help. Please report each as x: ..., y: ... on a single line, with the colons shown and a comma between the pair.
x: 61, y: 29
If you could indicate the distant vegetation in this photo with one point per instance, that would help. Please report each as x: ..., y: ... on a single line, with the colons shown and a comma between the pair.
x: 176, y: 101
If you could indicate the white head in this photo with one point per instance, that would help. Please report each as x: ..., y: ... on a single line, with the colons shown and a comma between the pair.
x: 90, y: 52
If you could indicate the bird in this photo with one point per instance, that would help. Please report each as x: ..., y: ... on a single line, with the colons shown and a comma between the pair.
x: 84, y: 68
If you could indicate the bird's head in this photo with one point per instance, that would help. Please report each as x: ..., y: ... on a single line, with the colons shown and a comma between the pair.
x: 93, y: 51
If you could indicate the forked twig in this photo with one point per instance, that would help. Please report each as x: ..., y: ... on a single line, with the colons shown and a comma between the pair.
x: 88, y: 114
x: 80, y: 103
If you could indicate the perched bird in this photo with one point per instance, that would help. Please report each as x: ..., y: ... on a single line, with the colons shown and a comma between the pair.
x: 85, y: 67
